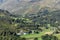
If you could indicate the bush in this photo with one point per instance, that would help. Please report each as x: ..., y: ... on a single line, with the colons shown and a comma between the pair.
x: 23, y: 39
x: 49, y: 37
x: 35, y: 38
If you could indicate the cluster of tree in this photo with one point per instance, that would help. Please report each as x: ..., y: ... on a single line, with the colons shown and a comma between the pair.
x: 44, y: 17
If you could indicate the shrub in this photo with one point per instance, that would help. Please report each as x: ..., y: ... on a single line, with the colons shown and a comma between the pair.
x: 35, y: 38
x: 49, y: 37
x: 23, y: 39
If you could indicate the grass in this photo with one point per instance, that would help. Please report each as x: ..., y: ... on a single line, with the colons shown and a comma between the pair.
x: 57, y: 35
x: 31, y: 36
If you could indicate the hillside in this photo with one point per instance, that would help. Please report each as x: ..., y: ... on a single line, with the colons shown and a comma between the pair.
x: 21, y: 7
x: 41, y: 22
x: 29, y: 19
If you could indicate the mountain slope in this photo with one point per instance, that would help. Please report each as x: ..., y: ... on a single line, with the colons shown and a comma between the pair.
x: 22, y: 7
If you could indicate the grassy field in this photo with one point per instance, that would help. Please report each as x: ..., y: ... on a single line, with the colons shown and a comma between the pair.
x: 32, y: 36
x: 57, y: 35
